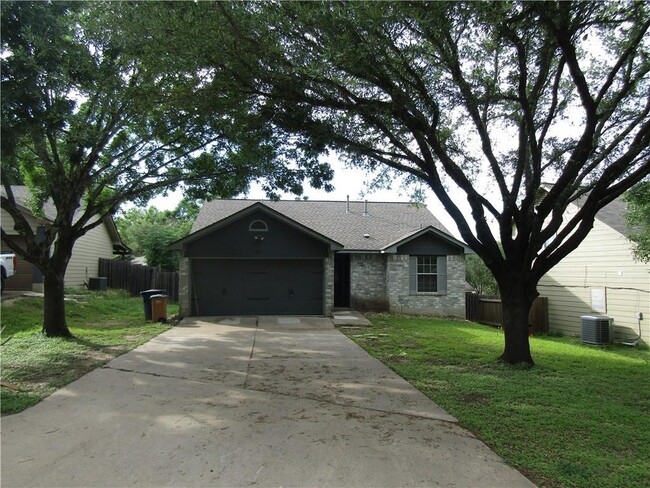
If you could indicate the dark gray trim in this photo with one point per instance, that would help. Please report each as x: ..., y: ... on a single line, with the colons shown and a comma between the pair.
x: 180, y: 244
x: 441, y: 275
x: 392, y: 247
x: 242, y: 287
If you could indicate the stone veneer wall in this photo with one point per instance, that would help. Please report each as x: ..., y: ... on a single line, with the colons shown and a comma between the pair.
x: 184, y: 287
x: 329, y: 283
x: 378, y: 282
x: 368, y: 282
x: 402, y: 300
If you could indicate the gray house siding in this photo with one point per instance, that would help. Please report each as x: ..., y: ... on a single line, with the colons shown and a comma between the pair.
x: 184, y: 307
x: 427, y: 244
x: 270, y: 251
x: 238, y: 241
x: 256, y: 265
x: 368, y: 282
x: 402, y: 299
x: 329, y: 284
x: 387, y: 282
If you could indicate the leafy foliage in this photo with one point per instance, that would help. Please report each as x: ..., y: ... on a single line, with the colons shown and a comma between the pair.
x: 479, y: 277
x: 150, y: 232
x: 92, y: 117
x: 638, y: 218
x: 521, y: 93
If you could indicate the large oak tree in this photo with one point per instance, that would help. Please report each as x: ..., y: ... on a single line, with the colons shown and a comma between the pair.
x: 89, y: 121
x: 450, y: 93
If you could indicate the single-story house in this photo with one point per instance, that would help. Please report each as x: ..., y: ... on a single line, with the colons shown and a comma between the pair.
x: 303, y: 257
x: 600, y: 277
x: 103, y: 241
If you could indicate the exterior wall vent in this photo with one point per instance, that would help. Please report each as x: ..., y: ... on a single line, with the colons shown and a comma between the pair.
x: 258, y: 226
x: 596, y: 329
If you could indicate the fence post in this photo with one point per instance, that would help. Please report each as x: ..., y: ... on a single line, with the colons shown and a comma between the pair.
x: 471, y: 306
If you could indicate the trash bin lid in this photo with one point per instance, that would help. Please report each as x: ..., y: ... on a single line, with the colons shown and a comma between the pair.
x: 159, y: 296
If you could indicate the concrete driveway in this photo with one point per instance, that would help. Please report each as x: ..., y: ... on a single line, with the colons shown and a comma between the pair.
x: 266, y: 401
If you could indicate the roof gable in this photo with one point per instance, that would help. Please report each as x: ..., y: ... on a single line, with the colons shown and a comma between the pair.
x: 345, y: 223
x: 612, y: 214
x: 244, y: 212
x: 391, y: 248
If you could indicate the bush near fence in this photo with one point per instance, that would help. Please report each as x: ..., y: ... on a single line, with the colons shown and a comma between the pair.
x: 487, y: 309
x: 136, y: 278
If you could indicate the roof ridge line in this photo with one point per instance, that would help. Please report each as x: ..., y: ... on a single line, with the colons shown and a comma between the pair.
x: 308, y: 201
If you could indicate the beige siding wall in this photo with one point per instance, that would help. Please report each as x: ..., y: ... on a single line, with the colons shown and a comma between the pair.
x: 85, y: 256
x: 7, y: 222
x: 602, y: 262
x: 88, y: 249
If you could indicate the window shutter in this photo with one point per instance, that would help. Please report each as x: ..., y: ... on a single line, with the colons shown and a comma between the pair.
x: 413, y: 274
x: 442, y: 274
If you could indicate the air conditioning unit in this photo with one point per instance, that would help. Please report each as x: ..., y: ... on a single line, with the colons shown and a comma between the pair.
x: 596, y: 329
x: 99, y: 284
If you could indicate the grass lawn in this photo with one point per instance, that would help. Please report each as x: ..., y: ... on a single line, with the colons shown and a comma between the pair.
x: 581, y: 417
x: 105, y: 325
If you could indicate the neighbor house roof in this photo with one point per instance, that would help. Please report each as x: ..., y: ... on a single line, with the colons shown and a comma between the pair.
x: 386, y: 224
x: 22, y: 196
x: 612, y: 214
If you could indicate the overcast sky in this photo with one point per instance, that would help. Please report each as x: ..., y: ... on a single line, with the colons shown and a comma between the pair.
x: 347, y: 181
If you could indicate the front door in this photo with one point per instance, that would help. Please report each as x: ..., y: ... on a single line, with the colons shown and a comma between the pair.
x: 342, y: 280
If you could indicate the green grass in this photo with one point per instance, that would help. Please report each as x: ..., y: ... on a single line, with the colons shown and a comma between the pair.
x: 105, y: 325
x: 580, y: 417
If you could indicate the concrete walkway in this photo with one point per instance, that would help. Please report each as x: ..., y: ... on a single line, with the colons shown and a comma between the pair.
x: 268, y: 401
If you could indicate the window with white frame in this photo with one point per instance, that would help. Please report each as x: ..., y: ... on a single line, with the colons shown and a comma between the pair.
x: 427, y: 274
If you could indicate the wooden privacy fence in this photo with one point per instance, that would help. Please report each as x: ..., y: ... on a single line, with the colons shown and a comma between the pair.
x: 487, y: 310
x: 136, y: 278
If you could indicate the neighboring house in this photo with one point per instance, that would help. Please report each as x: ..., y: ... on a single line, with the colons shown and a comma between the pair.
x: 302, y: 257
x: 600, y: 277
x: 101, y: 242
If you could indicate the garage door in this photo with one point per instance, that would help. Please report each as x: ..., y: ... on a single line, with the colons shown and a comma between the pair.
x: 257, y: 287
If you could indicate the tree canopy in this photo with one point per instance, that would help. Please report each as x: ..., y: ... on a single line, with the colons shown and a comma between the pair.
x: 479, y: 277
x: 89, y: 121
x: 150, y: 232
x: 450, y: 93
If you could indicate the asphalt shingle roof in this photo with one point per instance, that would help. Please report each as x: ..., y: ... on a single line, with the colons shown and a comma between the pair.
x: 612, y: 214
x: 22, y: 195
x: 385, y: 222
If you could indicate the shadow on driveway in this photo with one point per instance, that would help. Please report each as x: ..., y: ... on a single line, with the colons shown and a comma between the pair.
x: 265, y: 401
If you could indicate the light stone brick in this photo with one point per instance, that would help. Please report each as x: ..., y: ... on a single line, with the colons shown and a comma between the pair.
x: 329, y: 284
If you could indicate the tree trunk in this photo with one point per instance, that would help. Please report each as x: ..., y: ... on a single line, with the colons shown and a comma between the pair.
x: 54, y: 323
x: 516, y: 307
